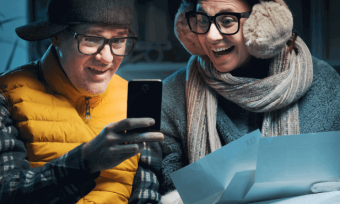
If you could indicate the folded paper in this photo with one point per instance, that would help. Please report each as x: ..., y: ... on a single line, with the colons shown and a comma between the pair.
x: 254, y: 168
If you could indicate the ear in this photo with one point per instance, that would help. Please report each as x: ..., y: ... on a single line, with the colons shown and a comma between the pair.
x: 268, y: 29
x: 182, y: 31
x: 56, y: 40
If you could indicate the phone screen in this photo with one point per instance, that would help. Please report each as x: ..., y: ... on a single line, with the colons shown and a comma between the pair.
x: 145, y: 100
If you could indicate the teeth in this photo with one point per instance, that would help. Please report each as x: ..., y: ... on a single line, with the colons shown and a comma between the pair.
x: 97, y: 69
x: 221, y: 49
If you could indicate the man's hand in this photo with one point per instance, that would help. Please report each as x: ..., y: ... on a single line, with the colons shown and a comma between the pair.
x: 112, y: 146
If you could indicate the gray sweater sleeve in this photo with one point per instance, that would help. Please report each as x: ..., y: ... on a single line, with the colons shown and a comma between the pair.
x: 319, y: 108
x: 174, y: 146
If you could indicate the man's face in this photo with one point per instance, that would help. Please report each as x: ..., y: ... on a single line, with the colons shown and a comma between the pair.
x: 90, y: 74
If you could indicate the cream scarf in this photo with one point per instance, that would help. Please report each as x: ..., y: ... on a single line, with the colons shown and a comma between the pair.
x: 290, y: 76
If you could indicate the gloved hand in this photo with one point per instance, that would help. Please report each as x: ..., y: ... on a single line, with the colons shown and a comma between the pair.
x: 112, y: 146
x: 172, y: 197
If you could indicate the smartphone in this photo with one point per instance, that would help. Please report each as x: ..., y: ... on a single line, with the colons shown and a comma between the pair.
x: 145, y: 100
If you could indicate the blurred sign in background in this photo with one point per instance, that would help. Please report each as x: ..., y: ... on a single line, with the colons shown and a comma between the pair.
x: 158, y: 52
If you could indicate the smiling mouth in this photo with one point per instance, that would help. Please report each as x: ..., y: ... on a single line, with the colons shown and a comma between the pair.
x: 223, y: 51
x: 97, y: 71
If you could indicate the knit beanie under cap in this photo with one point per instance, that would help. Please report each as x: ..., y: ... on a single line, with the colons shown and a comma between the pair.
x: 266, y: 31
x: 63, y: 13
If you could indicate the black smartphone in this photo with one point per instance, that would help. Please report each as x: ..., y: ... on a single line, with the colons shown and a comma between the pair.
x: 145, y: 100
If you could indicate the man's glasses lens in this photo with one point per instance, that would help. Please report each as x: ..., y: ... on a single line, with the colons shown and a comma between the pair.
x: 227, y: 24
x: 91, y: 45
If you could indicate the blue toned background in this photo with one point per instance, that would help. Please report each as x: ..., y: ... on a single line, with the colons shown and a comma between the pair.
x: 13, y: 51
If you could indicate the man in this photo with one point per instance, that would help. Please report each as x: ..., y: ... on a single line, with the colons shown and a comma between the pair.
x: 63, y: 120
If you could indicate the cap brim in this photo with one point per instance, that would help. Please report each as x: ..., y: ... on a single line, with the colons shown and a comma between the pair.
x: 39, y: 30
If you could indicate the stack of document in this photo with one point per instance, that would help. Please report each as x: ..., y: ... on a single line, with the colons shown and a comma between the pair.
x: 256, y: 168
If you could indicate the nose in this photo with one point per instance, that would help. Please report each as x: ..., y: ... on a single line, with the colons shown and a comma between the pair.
x: 214, y: 34
x: 105, y: 55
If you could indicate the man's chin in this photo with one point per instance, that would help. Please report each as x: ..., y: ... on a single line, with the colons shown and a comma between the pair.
x: 95, y: 90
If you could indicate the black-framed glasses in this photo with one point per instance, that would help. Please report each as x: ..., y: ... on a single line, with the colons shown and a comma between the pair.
x: 91, y: 45
x: 228, y: 23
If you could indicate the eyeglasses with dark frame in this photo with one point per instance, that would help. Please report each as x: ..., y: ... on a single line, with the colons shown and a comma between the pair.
x: 91, y: 45
x: 228, y: 23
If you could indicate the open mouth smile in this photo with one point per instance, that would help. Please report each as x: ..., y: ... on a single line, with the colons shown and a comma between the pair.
x: 223, y: 51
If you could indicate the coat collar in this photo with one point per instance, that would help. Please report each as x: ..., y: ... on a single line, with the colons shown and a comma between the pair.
x: 60, y: 84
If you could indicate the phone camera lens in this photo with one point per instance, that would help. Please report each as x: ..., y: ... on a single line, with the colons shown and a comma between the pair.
x: 145, y: 87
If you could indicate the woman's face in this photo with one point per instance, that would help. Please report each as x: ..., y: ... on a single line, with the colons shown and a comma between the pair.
x: 227, y: 52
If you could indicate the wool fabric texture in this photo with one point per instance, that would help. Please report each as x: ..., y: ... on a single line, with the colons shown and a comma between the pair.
x: 318, y: 112
x: 64, y: 13
x: 188, y: 39
x: 290, y: 77
x: 266, y: 31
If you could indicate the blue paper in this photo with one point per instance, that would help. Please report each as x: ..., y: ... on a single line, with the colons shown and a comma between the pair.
x: 288, y: 165
x: 254, y: 168
x: 205, y: 180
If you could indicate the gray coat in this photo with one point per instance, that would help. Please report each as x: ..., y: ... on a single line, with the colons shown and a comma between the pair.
x: 318, y: 112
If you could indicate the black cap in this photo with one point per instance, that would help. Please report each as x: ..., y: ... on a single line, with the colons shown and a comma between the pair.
x: 63, y: 13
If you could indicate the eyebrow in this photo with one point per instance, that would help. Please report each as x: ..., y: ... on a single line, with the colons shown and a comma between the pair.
x: 125, y: 32
x: 94, y: 30
x: 99, y: 31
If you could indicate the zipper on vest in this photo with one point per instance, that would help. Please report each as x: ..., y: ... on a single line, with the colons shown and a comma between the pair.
x: 87, y: 102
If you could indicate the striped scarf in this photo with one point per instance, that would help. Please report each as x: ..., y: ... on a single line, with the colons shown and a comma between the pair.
x: 290, y: 76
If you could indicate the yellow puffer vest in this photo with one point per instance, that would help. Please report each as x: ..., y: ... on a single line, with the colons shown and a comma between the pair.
x: 50, y: 115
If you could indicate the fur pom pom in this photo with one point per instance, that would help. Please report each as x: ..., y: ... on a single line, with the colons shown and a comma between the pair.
x: 172, y: 197
x: 267, y: 29
x: 182, y: 31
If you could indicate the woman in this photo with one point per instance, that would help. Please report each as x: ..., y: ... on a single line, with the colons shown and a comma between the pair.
x: 248, y: 71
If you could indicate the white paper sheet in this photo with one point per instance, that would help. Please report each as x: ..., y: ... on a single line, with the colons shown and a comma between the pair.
x: 205, y: 180
x: 254, y: 168
x: 288, y: 165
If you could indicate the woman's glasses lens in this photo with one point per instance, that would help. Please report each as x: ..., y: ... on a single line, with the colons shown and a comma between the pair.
x: 199, y: 23
x: 227, y: 24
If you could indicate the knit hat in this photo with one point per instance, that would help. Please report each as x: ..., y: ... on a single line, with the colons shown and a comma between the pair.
x: 266, y: 31
x: 63, y: 13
